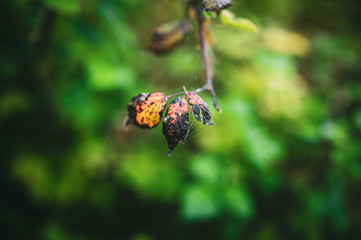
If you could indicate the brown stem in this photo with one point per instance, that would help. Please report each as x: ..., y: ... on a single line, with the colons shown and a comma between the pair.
x: 205, y: 56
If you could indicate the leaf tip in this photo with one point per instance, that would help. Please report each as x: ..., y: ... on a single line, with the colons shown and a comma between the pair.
x: 126, y: 122
x: 170, y: 151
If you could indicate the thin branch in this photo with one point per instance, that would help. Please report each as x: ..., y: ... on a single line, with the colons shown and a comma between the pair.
x: 205, y: 56
x: 195, y: 91
x: 175, y: 94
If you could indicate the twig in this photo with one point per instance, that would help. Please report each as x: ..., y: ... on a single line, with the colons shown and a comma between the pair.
x: 205, y: 56
x: 195, y: 91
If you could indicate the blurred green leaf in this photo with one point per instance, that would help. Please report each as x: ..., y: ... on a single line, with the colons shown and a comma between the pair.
x: 141, y: 170
x: 141, y: 236
x: 334, y: 132
x: 227, y: 18
x: 64, y: 6
x: 14, y: 102
x: 104, y: 75
x: 35, y: 173
x: 198, y: 204
x: 263, y: 150
x: 206, y: 169
x: 55, y: 232
x: 238, y: 203
x: 357, y: 119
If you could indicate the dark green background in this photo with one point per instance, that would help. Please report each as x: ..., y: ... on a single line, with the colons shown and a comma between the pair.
x: 282, y: 162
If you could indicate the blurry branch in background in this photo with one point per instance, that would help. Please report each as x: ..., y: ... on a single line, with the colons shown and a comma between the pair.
x: 40, y: 36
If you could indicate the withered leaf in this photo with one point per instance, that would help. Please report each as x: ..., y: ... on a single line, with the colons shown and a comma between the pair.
x: 198, y: 106
x: 176, y: 123
x: 215, y: 5
x: 145, y: 110
x: 167, y: 37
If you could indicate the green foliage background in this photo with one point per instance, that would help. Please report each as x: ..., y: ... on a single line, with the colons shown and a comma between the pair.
x: 282, y: 162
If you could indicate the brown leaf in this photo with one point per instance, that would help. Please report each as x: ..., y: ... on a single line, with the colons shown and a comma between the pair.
x: 176, y: 123
x: 145, y: 110
x: 198, y: 106
x: 167, y: 37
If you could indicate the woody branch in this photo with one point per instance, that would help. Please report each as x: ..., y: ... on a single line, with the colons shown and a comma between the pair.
x: 204, y: 46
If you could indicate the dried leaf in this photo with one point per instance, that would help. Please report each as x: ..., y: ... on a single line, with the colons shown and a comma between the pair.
x: 175, y: 123
x: 145, y: 110
x: 216, y: 5
x: 167, y: 37
x: 198, y: 105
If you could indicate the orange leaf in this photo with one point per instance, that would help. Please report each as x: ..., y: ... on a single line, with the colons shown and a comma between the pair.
x: 198, y: 105
x: 145, y: 110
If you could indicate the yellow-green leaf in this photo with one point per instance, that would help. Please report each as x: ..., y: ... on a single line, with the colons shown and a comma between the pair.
x: 227, y: 18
